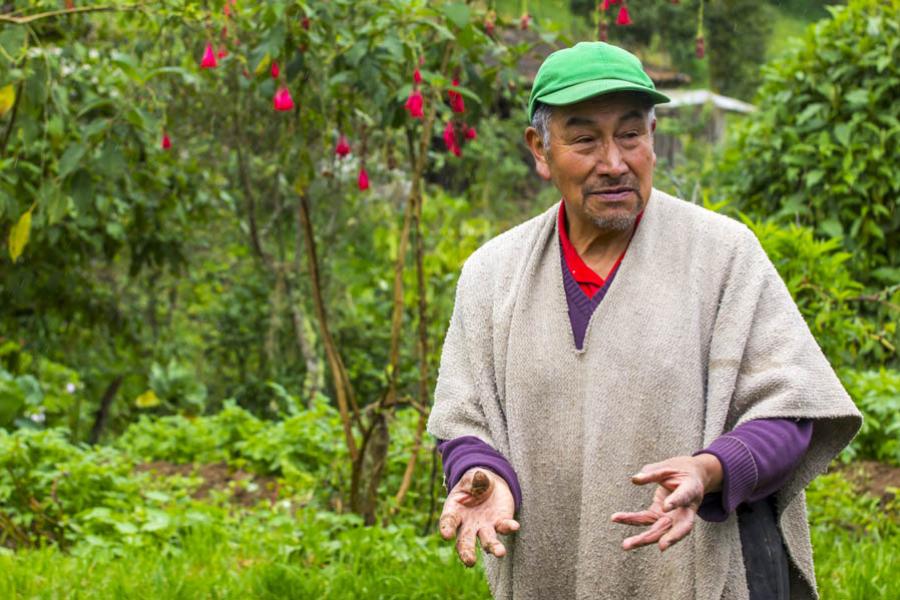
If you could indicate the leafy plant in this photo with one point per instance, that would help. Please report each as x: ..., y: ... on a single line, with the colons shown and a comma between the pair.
x: 877, y: 394
x: 822, y: 146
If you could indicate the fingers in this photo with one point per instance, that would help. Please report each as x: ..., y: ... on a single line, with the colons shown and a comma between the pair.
x: 465, y: 546
x: 650, y: 536
x: 685, y: 495
x: 448, y: 525
x: 680, y: 528
x: 644, y: 517
x: 489, y: 542
x: 649, y: 474
x: 506, y: 526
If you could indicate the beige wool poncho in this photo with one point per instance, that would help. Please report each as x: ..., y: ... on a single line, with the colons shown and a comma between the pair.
x: 696, y: 335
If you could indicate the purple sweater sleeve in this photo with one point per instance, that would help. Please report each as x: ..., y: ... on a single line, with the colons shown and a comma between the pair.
x: 462, y: 453
x: 757, y: 459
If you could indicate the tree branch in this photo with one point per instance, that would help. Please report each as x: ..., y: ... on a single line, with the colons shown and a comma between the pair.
x: 65, y: 12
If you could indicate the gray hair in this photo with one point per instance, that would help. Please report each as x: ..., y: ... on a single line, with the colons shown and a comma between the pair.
x: 541, y: 120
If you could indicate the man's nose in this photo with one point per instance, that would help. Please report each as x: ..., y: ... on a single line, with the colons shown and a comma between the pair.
x: 610, y: 161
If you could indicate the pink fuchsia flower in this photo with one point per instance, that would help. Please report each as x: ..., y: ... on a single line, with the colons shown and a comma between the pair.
x: 456, y: 100
x: 414, y: 104
x: 525, y: 21
x: 450, y: 139
x: 282, y: 100
x: 417, y: 77
x: 305, y: 23
x: 623, y: 18
x: 166, y: 142
x: 221, y: 52
x: 489, y: 27
x: 343, y: 147
x: 209, y: 58
x: 471, y: 133
x: 275, y: 70
x: 363, y: 181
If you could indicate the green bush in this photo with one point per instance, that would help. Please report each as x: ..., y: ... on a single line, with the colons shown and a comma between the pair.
x: 877, y: 394
x: 822, y: 149
x: 826, y: 293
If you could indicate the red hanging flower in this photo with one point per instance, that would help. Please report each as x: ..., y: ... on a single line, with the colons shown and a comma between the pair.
x: 700, y: 47
x: 489, y: 27
x: 166, y: 142
x: 417, y: 77
x: 305, y: 23
x: 282, y: 100
x: 525, y: 21
x: 623, y: 17
x: 342, y: 148
x: 414, y: 104
x: 275, y: 70
x: 606, y: 4
x: 363, y: 181
x: 209, y: 58
x: 471, y: 133
x: 221, y: 52
x: 450, y: 139
x: 457, y: 104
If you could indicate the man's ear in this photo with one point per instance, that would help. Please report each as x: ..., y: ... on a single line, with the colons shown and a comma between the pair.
x: 653, y: 125
x: 536, y: 144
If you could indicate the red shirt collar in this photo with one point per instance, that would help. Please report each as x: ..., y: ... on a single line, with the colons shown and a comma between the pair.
x: 589, y: 280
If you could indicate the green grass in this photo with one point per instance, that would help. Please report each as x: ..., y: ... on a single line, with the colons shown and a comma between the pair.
x: 856, y: 541
x: 357, y: 563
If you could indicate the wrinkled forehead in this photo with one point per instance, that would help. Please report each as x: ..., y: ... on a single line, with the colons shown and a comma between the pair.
x: 608, y: 108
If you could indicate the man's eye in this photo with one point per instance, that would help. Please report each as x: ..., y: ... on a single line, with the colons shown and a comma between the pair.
x: 584, y: 140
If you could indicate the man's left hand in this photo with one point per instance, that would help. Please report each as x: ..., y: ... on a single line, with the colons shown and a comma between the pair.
x: 683, y: 480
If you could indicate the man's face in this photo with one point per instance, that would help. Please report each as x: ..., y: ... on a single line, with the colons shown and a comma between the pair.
x: 600, y: 158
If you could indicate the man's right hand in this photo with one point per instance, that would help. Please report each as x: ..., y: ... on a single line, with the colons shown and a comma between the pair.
x: 479, y: 505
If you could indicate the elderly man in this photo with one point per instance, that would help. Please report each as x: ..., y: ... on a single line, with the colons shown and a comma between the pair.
x: 626, y: 338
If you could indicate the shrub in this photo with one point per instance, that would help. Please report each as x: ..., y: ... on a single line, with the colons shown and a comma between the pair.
x: 821, y: 284
x: 822, y: 149
x: 877, y: 394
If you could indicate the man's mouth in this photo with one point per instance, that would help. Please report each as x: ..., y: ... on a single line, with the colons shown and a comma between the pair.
x: 613, y: 194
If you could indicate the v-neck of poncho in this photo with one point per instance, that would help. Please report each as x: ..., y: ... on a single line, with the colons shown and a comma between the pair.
x: 584, y: 288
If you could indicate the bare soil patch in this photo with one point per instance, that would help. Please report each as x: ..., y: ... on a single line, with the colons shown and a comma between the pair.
x: 878, y: 479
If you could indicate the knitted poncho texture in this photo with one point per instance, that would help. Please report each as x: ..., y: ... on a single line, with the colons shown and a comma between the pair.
x: 696, y: 335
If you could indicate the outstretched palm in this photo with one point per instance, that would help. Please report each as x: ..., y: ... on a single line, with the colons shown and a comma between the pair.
x: 682, y: 482
x: 481, y: 506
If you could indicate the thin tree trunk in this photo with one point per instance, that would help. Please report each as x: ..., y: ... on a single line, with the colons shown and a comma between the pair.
x: 102, y: 417
x: 338, y: 371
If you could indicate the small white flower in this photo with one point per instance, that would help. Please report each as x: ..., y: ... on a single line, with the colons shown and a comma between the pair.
x: 39, y: 417
x: 70, y: 387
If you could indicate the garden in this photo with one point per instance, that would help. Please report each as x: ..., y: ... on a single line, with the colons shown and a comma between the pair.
x: 231, y: 234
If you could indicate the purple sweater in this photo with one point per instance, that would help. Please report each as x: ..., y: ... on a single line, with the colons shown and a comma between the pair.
x: 757, y: 457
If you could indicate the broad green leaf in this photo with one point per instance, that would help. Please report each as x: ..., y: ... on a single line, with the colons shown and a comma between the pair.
x: 457, y: 13
x: 842, y: 133
x: 19, y: 234
x: 70, y: 159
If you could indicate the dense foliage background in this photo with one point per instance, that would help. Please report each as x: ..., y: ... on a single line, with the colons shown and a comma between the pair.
x: 232, y: 232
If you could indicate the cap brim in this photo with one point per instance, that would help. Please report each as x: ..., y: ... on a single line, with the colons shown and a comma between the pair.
x: 597, y: 87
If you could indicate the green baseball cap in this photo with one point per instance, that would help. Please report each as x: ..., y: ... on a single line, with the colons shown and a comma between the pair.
x: 589, y: 69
